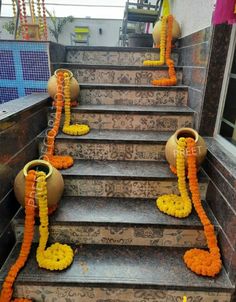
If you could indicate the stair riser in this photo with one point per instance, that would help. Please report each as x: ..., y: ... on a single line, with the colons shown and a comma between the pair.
x: 109, y: 151
x: 109, y: 294
x: 120, y: 58
x: 116, y: 235
x: 108, y: 76
x: 139, y: 97
x: 114, y: 187
x: 132, y: 121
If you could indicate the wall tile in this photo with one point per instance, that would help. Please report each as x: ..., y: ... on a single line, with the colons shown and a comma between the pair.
x: 216, y: 68
x: 223, y: 212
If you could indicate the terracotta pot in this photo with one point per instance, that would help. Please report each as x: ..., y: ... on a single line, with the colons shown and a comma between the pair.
x: 156, y: 34
x: 171, y: 145
x: 74, y: 85
x: 55, y: 183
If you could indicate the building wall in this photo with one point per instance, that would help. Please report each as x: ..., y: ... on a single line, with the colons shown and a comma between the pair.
x: 194, y: 52
x: 108, y: 37
x: 23, y: 120
x: 192, y: 15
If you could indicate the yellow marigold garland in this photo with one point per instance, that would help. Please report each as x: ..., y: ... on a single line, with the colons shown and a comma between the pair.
x: 162, y: 46
x: 200, y: 261
x: 57, y: 256
x: 171, y: 204
x: 67, y: 127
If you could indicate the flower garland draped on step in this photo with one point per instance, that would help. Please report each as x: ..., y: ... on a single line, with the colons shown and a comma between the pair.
x: 165, y: 48
x: 199, y: 261
x: 56, y: 257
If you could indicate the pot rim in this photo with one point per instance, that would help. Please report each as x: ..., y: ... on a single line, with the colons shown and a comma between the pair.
x: 38, y: 162
x: 64, y: 70
x: 187, y: 130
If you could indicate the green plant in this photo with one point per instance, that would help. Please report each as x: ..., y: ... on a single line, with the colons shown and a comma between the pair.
x: 9, y: 27
x: 58, y: 24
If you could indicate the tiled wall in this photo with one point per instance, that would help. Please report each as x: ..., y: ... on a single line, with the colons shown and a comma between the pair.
x: 193, y: 56
x: 220, y: 166
x: 21, y: 121
x: 24, y: 68
x: 203, y: 57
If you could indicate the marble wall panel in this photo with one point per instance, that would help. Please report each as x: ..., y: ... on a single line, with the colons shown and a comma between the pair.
x: 223, y: 212
x: 194, y: 56
x: 221, y: 183
x: 21, y: 132
x: 8, y: 208
x: 7, y: 241
x: 216, y: 68
x: 92, y: 294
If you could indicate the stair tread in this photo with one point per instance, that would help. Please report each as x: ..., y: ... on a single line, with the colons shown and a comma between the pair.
x: 176, y: 110
x: 123, y: 169
x: 100, y: 265
x: 112, y: 211
x: 155, y: 137
x: 113, y: 67
x: 116, y: 49
x: 134, y: 86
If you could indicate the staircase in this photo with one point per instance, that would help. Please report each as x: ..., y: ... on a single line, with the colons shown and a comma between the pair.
x: 126, y: 250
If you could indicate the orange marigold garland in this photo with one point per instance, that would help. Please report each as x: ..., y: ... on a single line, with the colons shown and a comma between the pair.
x: 199, y: 261
x: 7, y: 288
x: 59, y: 162
x: 172, y: 80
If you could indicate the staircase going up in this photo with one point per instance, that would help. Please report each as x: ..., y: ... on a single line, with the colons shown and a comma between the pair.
x: 126, y: 250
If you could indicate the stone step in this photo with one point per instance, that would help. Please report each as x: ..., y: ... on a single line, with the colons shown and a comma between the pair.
x: 126, y: 56
x: 134, y: 179
x: 141, y: 118
x: 141, y: 95
x: 111, y: 145
x: 117, y: 74
x: 124, y: 273
x: 120, y: 221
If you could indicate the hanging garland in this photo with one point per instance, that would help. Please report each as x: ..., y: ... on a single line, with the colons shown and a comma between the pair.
x: 67, y: 127
x: 199, y: 261
x: 56, y: 257
x: 172, y: 80
x: 40, y: 20
x: 62, y: 97
x: 171, y: 204
x: 59, y: 162
x: 45, y: 28
x: 165, y: 48
x: 23, y: 29
x: 7, y: 288
x: 162, y: 46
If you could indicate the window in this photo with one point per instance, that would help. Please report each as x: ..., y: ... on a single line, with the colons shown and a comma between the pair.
x: 226, y: 121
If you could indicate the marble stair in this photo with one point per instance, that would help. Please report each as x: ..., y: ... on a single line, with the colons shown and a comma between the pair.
x: 126, y: 250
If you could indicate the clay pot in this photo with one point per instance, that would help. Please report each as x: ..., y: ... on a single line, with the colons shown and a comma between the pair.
x: 74, y: 85
x: 55, y: 183
x: 171, y: 145
x: 156, y: 34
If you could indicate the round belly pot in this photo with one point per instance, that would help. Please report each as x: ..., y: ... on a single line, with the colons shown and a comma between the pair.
x: 171, y: 145
x: 55, y: 183
x: 74, y: 85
